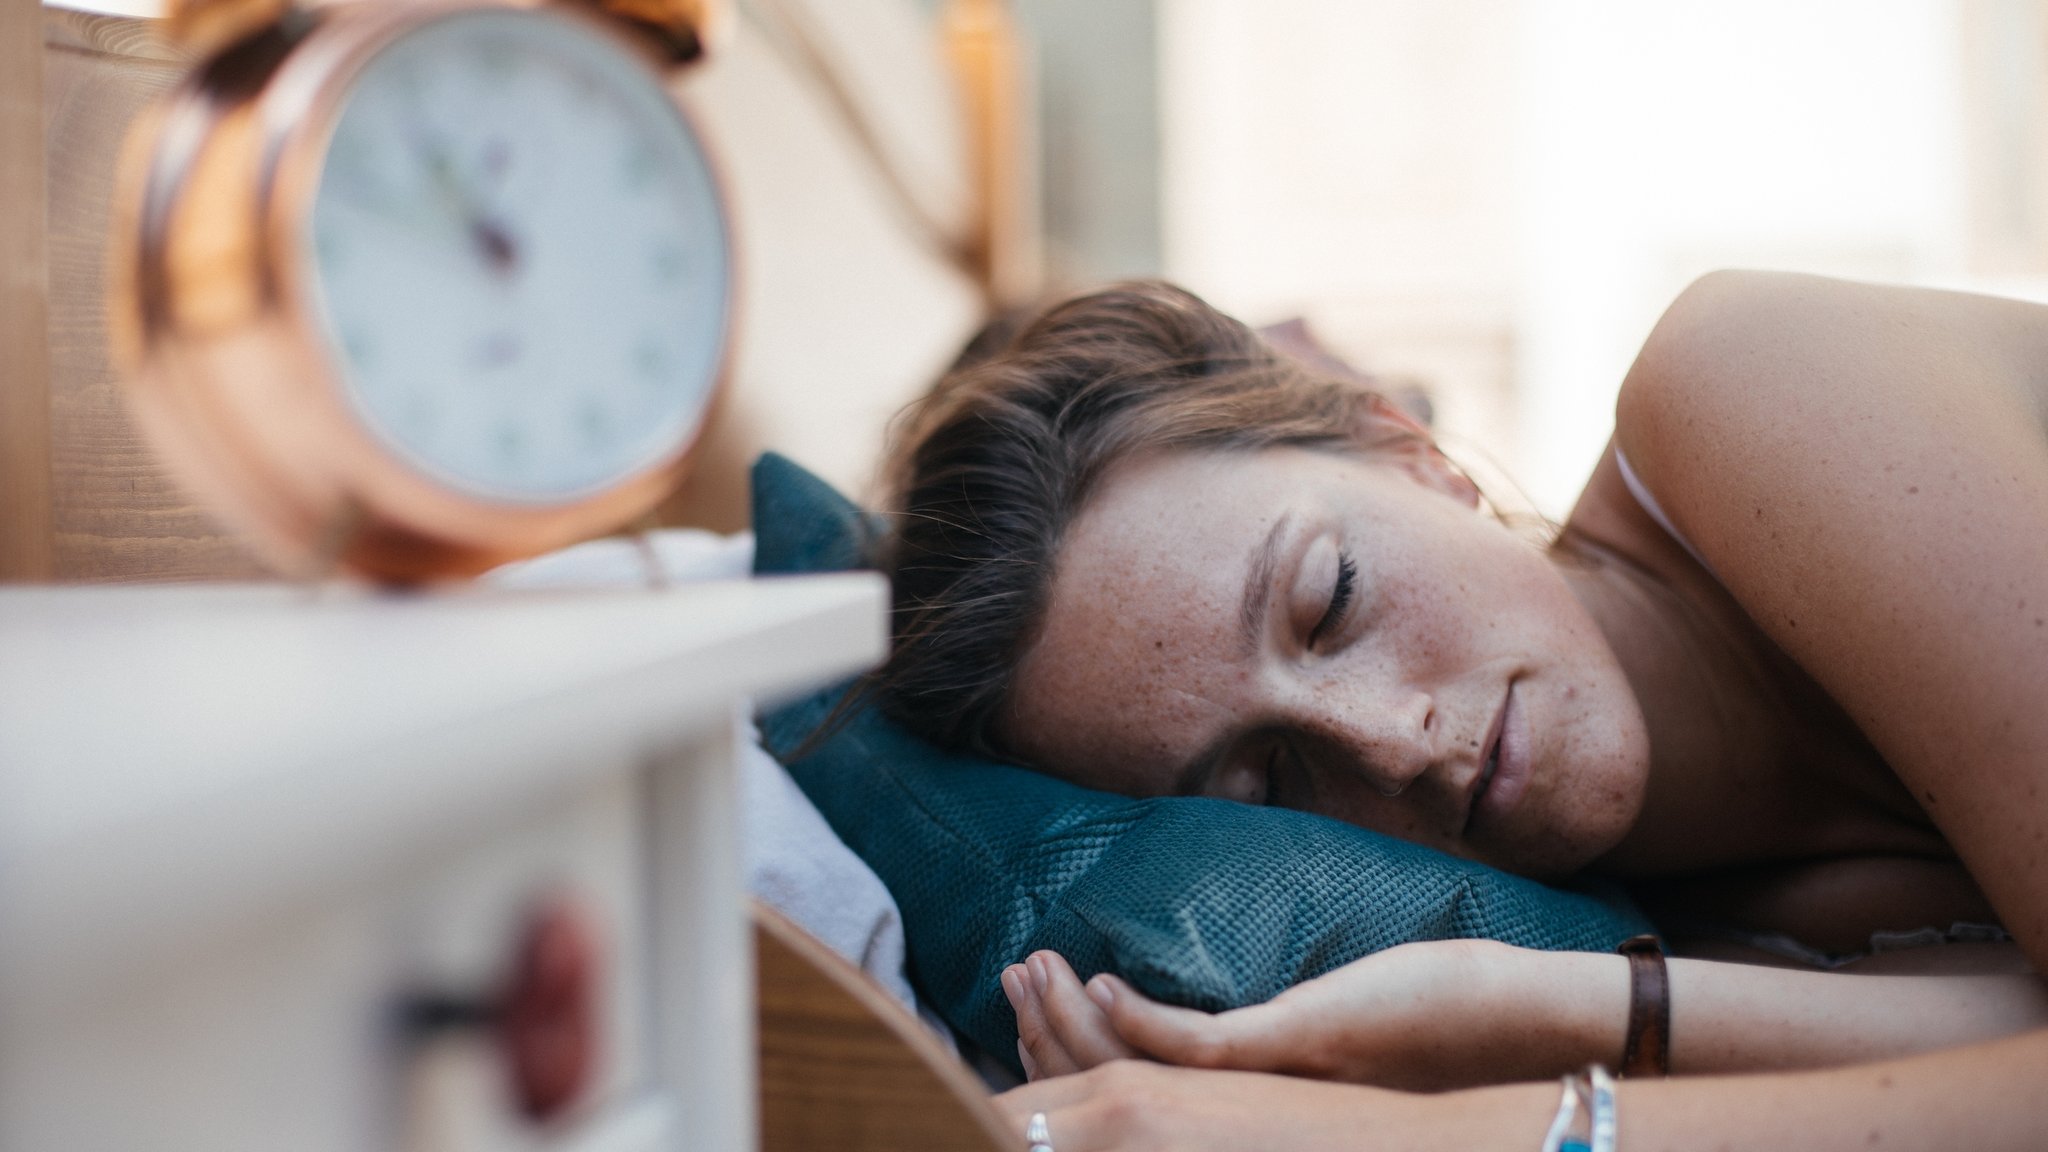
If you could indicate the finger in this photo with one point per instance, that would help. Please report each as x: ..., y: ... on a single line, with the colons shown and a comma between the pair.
x: 1059, y: 1124
x: 1046, y: 1096
x: 1083, y: 1028
x: 1071, y: 1106
x: 1246, y: 1038
x: 1070, y: 1127
x: 1041, y: 1043
x: 1056, y: 1098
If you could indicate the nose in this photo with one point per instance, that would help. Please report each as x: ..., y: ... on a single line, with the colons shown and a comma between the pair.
x: 1388, y: 738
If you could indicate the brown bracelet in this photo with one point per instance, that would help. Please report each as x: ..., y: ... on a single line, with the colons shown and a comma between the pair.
x: 1648, y: 1051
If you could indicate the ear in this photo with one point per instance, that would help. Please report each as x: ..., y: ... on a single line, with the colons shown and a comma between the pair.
x: 1401, y: 441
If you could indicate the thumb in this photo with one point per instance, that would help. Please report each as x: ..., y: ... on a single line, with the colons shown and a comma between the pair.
x: 1241, y: 1039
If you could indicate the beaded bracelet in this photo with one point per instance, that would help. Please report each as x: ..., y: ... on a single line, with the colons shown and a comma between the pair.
x: 1592, y: 1093
x: 1561, y: 1124
x: 1603, y: 1108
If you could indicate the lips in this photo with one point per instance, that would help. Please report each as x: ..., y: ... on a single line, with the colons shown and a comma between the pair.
x: 1508, y: 757
x: 1489, y: 759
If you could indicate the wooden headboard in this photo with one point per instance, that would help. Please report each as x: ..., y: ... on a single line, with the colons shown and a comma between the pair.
x: 846, y: 312
x: 84, y: 497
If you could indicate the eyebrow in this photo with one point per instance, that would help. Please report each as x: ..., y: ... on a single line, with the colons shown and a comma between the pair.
x: 1258, y: 584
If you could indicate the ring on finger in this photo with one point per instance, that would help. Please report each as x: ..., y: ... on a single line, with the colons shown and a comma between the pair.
x: 1037, y: 1134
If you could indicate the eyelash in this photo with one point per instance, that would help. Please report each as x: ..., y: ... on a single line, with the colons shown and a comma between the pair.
x: 1340, y: 599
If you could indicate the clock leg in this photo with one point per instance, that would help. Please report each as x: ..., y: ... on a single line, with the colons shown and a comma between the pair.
x: 657, y: 576
x: 702, y: 963
x: 337, y: 536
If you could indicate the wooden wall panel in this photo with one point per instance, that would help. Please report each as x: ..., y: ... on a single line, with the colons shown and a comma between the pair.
x: 24, y: 391
x: 115, y: 515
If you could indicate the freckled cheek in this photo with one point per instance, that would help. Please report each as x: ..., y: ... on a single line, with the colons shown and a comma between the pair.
x: 1599, y: 765
x: 1431, y: 629
x: 1135, y: 707
x: 1158, y: 712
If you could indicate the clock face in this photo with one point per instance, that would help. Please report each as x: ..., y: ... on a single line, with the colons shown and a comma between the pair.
x: 518, y: 258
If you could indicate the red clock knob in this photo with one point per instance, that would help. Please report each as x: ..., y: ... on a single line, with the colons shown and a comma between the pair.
x: 549, y: 1011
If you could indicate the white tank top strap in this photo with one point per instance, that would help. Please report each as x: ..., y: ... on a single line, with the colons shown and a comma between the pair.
x: 1637, y: 489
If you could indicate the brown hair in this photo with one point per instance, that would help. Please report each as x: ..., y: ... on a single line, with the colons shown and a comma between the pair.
x: 991, y: 466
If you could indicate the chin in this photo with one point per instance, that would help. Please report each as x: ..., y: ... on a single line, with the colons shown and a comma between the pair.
x: 1549, y: 862
x: 1567, y: 832
x: 1598, y: 781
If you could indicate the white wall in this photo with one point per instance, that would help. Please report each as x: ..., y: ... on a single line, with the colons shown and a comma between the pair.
x: 1501, y: 195
x: 1656, y: 141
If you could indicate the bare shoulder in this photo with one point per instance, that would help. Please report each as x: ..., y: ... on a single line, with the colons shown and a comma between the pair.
x: 1866, y: 469
x: 1973, y: 349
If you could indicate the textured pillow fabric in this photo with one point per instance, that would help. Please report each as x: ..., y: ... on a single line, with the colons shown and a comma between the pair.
x: 1199, y: 902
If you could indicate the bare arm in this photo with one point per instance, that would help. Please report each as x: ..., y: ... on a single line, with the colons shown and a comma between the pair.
x: 1867, y: 470
x: 1455, y: 1013
x: 1739, y: 1017
x: 1986, y: 1098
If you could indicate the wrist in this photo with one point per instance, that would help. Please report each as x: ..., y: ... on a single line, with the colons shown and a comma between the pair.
x: 1504, y: 1118
x: 1570, y: 1009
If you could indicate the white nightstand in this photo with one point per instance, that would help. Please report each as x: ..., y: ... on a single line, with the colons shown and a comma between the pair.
x: 246, y: 832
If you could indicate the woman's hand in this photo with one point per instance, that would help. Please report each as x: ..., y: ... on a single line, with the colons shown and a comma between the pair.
x: 1061, y: 1029
x: 1431, y: 1015
x: 1131, y: 1106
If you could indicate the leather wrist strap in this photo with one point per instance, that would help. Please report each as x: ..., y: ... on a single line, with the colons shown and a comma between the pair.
x: 1648, y: 1051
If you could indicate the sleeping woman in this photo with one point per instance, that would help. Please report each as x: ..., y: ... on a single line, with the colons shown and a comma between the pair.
x: 1783, y: 672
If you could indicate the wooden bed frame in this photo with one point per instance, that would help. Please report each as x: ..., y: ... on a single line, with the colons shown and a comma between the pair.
x: 844, y: 1068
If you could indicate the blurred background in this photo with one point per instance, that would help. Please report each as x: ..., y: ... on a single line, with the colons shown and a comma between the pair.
x: 1481, y: 199
x: 1484, y: 204
x: 1494, y: 199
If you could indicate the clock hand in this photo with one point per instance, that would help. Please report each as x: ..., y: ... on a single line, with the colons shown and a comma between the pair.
x: 490, y: 236
x: 441, y: 171
x: 499, y: 250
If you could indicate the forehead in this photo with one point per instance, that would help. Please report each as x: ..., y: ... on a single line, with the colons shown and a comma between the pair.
x: 1140, y: 661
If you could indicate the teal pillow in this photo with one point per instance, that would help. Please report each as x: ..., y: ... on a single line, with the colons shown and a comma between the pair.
x: 1199, y: 902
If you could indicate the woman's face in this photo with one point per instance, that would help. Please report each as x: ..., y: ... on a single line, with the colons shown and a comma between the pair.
x: 1339, y: 634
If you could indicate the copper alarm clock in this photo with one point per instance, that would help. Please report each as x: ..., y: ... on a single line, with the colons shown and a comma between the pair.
x: 408, y: 288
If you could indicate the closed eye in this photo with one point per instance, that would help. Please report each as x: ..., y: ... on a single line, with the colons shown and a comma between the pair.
x: 1340, y: 599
